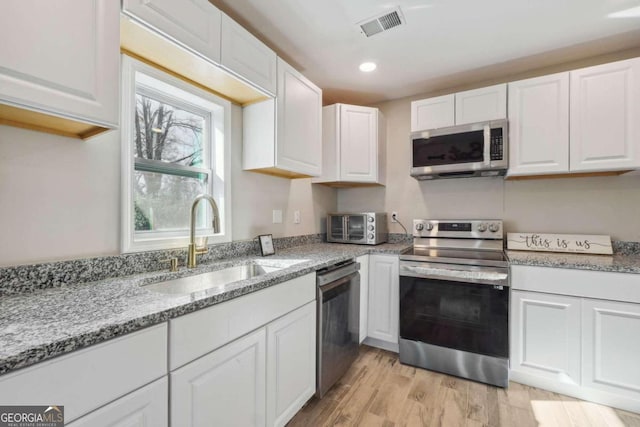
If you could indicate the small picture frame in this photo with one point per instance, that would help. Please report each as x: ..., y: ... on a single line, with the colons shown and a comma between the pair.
x: 266, y: 244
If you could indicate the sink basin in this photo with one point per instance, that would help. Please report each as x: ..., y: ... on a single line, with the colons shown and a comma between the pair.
x: 215, y: 279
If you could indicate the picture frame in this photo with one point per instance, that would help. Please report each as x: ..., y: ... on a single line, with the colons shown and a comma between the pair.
x: 266, y: 244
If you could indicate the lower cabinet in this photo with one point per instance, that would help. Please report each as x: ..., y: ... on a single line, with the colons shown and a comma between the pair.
x: 146, y: 407
x: 383, y: 311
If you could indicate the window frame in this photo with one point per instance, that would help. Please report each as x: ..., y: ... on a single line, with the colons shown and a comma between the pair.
x: 218, y: 153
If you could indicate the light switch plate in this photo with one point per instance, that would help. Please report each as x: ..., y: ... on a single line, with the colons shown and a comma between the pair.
x: 277, y: 216
x: 296, y: 217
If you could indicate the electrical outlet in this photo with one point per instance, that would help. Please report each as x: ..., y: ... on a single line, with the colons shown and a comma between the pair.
x: 296, y: 217
x: 394, y: 216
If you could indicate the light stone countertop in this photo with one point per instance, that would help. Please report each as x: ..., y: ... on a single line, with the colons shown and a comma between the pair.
x: 50, y: 322
x: 617, y: 263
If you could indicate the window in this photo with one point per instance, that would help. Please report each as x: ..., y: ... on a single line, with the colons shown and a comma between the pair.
x: 175, y: 145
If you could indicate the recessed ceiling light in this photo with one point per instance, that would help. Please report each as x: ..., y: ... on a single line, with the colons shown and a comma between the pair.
x: 367, y: 67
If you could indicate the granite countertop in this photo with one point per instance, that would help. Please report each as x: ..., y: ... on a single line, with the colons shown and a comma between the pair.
x: 616, y: 263
x: 51, y: 322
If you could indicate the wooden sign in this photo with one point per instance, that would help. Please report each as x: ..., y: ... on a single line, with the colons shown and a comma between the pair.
x: 569, y: 243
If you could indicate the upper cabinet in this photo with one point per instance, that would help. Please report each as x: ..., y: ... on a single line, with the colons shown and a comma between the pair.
x: 353, y: 145
x: 194, y: 24
x: 290, y: 146
x: 605, y: 112
x: 484, y: 104
x: 246, y: 56
x: 579, y: 121
x: 59, y: 66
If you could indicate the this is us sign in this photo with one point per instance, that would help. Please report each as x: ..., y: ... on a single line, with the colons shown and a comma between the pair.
x: 571, y: 243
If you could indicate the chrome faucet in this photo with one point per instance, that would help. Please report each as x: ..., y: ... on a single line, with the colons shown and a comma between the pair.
x: 193, y: 249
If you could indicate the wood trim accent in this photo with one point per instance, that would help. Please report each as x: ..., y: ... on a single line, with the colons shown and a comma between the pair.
x: 42, y: 122
x: 153, y: 49
x: 348, y: 184
x: 273, y: 171
x: 566, y: 175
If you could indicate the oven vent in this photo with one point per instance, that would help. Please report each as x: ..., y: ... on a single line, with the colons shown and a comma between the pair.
x: 381, y: 23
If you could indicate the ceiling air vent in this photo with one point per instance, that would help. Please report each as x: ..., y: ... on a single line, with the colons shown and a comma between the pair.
x: 378, y: 24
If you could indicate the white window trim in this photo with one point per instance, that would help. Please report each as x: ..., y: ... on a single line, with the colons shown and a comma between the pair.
x: 221, y: 170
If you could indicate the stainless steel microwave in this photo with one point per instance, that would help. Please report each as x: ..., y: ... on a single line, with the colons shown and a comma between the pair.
x: 365, y: 228
x: 476, y: 149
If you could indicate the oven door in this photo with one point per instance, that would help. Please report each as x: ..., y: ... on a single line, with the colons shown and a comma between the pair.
x: 356, y: 228
x: 455, y: 306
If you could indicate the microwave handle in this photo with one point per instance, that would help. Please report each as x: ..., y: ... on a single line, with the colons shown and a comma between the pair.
x: 487, y: 145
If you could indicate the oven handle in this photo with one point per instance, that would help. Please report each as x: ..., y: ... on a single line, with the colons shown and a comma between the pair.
x: 482, y: 276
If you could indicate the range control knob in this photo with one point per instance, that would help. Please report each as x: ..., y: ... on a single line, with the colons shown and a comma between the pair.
x: 419, y: 226
x: 482, y: 227
x: 371, y: 227
x: 429, y: 226
x: 370, y: 219
x: 371, y: 236
x: 494, y: 227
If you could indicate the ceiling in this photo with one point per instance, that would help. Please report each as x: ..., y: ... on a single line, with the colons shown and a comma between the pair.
x: 442, y: 44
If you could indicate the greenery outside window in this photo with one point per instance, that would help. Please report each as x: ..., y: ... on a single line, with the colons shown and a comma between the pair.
x: 175, y: 145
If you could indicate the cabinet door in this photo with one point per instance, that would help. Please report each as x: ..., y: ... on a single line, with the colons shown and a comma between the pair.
x: 195, y: 24
x: 146, y: 407
x: 605, y: 106
x: 291, y: 363
x: 433, y: 113
x: 62, y: 58
x: 545, y: 336
x: 611, y: 347
x: 383, y: 298
x: 364, y: 295
x: 358, y: 143
x: 539, y: 125
x: 487, y: 103
x: 299, y: 128
x: 225, y: 387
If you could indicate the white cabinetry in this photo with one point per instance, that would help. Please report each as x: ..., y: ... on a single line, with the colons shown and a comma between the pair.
x: 479, y: 105
x: 433, y: 113
x: 575, y: 332
x: 384, y: 301
x: 60, y: 59
x: 291, y: 364
x: 353, y: 145
x: 539, y: 125
x: 246, y: 56
x: 605, y: 106
x: 146, y: 407
x: 364, y: 295
x: 226, y: 387
x: 290, y: 146
x: 194, y: 24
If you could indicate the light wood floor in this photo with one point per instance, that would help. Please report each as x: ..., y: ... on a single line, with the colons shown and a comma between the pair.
x: 379, y: 391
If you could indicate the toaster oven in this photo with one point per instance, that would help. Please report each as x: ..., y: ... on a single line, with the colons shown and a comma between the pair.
x: 365, y: 228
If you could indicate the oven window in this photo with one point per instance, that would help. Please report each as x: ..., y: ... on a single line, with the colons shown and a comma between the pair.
x: 456, y: 315
x: 466, y: 147
x: 356, y: 227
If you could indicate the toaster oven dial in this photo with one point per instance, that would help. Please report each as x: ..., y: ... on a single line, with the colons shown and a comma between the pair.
x: 371, y: 228
x: 371, y: 236
x: 370, y: 219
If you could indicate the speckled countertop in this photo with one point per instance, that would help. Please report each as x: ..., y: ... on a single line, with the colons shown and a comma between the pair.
x: 617, y: 263
x: 51, y: 322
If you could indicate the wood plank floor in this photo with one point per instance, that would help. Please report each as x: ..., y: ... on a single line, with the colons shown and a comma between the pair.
x: 379, y: 391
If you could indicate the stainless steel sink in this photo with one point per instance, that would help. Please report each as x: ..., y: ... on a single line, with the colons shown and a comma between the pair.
x: 215, y: 279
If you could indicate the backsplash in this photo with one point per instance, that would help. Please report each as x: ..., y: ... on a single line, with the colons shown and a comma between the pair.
x: 28, y: 278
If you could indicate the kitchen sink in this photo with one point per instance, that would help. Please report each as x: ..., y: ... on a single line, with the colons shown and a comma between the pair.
x: 218, y: 278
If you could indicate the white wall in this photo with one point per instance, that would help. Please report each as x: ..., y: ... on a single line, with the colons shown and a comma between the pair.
x: 60, y: 197
x: 595, y: 205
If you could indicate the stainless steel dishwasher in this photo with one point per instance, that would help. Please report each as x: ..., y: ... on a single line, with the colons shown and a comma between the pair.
x: 338, y: 322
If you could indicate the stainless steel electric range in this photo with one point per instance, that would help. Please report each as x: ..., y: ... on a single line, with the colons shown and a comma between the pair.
x: 454, y: 300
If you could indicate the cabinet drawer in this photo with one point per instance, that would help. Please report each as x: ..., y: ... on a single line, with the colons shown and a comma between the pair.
x: 198, y: 333
x: 581, y: 283
x: 87, y: 379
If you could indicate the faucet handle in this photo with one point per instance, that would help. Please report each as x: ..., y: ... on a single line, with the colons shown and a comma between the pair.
x: 173, y: 266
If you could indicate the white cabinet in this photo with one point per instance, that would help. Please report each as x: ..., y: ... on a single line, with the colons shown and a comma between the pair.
x: 353, y: 145
x: 60, y: 59
x: 291, y: 364
x: 605, y: 106
x: 225, y: 387
x: 246, y: 56
x: 146, y: 407
x: 364, y: 295
x: 545, y: 335
x: 611, y: 346
x: 479, y: 105
x: 433, y: 113
x: 194, y: 24
x: 290, y: 146
x: 539, y: 125
x: 384, y: 300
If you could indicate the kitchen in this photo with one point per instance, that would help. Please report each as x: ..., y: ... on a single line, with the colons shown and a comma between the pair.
x: 68, y: 204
